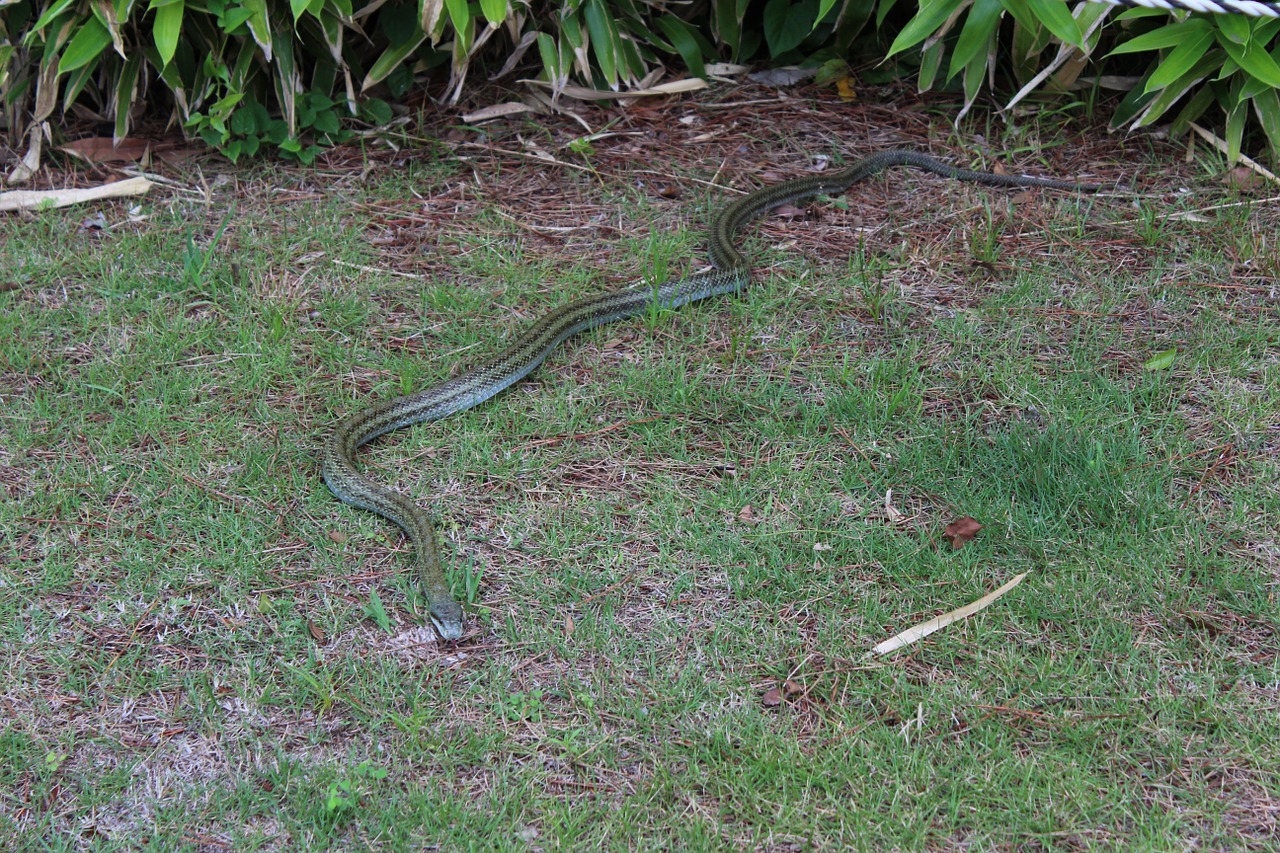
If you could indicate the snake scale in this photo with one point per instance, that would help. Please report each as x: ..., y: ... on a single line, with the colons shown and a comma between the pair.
x: 730, y: 273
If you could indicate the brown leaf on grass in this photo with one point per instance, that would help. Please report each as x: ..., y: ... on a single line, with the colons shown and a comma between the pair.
x: 960, y: 531
x: 746, y: 514
x: 1243, y: 178
x: 316, y: 631
x: 775, y: 696
x: 99, y: 149
x: 337, y: 536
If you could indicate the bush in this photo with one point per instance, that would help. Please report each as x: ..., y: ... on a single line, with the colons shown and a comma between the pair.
x: 1196, y: 61
x: 299, y: 75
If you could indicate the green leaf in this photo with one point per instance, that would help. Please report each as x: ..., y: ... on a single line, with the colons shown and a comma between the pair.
x: 1255, y: 60
x: 494, y: 11
x: 926, y: 22
x: 166, y: 29
x: 377, y: 112
x: 974, y: 75
x: 377, y: 612
x: 49, y: 14
x: 298, y: 7
x: 126, y: 89
x: 1057, y: 18
x: 1161, y: 360
x: 786, y: 25
x: 1235, y: 130
x: 1236, y: 28
x: 1180, y: 60
x: 1170, y: 35
x: 550, y: 56
x: 883, y: 10
x: 1266, y: 105
x: 980, y: 24
x: 391, y: 58
x: 459, y: 14
x: 86, y: 45
x: 682, y: 39
x: 77, y: 80
x: 259, y: 25
x: 1159, y: 102
x: 930, y: 62
x: 728, y: 23
x: 1191, y: 110
x: 603, y: 40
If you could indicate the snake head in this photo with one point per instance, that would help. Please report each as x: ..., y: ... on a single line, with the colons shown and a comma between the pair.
x: 446, y: 618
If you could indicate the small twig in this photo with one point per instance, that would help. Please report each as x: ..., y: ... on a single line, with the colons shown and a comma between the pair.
x: 376, y: 270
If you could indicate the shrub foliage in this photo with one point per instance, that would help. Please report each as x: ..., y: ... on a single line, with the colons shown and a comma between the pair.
x: 301, y: 74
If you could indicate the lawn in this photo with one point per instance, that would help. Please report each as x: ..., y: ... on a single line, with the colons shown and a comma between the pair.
x: 678, y: 540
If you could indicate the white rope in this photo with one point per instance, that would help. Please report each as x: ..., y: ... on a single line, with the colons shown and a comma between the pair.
x: 1252, y: 8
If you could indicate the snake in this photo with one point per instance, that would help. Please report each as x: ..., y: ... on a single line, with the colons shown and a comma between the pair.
x: 730, y: 272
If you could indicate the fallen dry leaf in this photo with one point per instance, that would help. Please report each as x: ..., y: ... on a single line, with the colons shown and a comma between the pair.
x: 960, y: 531
x: 100, y: 149
x: 937, y: 623
x: 32, y: 199
x: 1243, y: 178
x: 775, y: 696
x: 316, y: 631
x: 891, y: 512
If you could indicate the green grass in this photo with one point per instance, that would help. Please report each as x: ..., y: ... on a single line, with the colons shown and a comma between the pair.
x: 675, y: 515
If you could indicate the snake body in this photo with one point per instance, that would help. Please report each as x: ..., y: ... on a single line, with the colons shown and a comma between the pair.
x: 731, y: 273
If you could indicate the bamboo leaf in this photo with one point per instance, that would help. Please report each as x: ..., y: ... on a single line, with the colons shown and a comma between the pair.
x: 1170, y: 35
x: 166, y: 28
x: 86, y: 45
x: 931, y: 16
x: 1255, y: 61
x: 1266, y: 105
x: 494, y: 11
x: 459, y: 14
x: 683, y: 40
x: 49, y: 15
x: 603, y: 41
x: 930, y: 62
x: 1165, y: 98
x: 429, y: 18
x: 391, y: 58
x: 1180, y: 60
x: 982, y: 22
x: 1055, y: 15
x: 259, y: 25
x: 1235, y: 28
x: 122, y: 96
